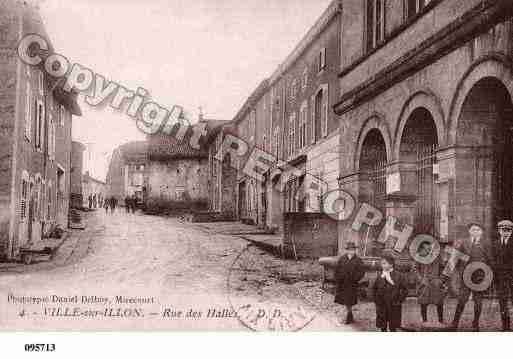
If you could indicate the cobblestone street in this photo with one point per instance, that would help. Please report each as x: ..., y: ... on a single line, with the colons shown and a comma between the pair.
x: 177, y: 265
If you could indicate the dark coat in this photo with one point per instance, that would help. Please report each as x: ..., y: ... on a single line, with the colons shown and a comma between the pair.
x: 503, y: 258
x: 430, y: 288
x: 503, y: 268
x: 481, y: 252
x: 388, y: 299
x: 347, y: 275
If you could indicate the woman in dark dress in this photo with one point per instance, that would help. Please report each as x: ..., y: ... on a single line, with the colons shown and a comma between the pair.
x: 349, y: 272
x: 389, y: 291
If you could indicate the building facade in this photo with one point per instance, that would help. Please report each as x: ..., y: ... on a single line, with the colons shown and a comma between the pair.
x: 77, y: 167
x: 176, y: 177
x: 35, y: 140
x: 126, y: 172
x: 289, y: 116
x: 425, y: 113
x: 94, y: 191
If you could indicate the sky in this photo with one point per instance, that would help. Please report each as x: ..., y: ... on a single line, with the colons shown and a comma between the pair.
x: 194, y: 53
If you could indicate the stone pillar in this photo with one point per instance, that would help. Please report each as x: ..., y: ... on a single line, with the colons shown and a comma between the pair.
x: 350, y: 184
x: 401, y: 192
x: 473, y: 189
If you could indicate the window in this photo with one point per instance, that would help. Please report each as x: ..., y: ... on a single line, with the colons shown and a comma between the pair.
x: 41, y: 83
x: 277, y: 142
x: 40, y: 117
x: 24, y: 196
x: 37, y: 204
x: 318, y: 114
x: 292, y: 134
x: 312, y: 120
x: 62, y: 115
x: 304, y: 79
x: 51, y: 140
x: 28, y: 112
x: 293, y: 89
x: 252, y: 124
x: 322, y: 59
x: 49, y: 202
x: 413, y: 7
x: 325, y: 113
x: 375, y: 23
x: 303, y: 116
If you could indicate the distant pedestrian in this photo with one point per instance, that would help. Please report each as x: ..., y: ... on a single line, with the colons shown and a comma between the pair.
x: 133, y: 203
x: 90, y: 200
x: 113, y: 204
x: 128, y: 204
x: 349, y: 272
x: 106, y: 206
x: 389, y: 291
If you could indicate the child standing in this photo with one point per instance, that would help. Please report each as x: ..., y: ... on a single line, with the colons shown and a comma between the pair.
x: 389, y: 293
x: 431, y: 288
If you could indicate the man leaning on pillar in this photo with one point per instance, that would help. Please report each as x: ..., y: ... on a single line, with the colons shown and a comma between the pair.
x: 503, y: 273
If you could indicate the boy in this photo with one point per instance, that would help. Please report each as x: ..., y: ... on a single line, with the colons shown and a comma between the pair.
x: 389, y: 293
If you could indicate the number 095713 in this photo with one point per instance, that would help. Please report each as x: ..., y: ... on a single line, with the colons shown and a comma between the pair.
x: 39, y: 347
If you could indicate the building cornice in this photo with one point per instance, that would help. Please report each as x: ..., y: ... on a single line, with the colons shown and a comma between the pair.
x: 320, y: 25
x: 477, y: 20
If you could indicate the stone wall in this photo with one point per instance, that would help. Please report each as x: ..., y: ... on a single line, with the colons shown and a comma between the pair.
x: 77, y: 167
x: 177, y: 183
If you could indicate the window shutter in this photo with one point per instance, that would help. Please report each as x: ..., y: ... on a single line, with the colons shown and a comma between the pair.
x: 312, y: 120
x: 23, y: 203
x: 52, y: 141
x: 41, y: 83
x: 28, y: 113
x: 42, y: 119
x: 62, y: 115
x: 38, y: 127
x: 294, y: 133
x: 325, y: 112
x: 40, y: 115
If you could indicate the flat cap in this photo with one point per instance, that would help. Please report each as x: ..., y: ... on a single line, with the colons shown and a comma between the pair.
x: 506, y: 223
x: 351, y: 245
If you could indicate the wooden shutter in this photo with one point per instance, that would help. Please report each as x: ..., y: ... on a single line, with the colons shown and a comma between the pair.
x: 312, y: 121
x: 28, y: 113
x: 325, y: 111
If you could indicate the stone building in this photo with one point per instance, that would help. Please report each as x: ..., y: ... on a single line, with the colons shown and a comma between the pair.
x: 247, y: 192
x: 77, y: 166
x: 222, y: 178
x: 177, y: 176
x: 94, y: 191
x: 301, y: 130
x: 425, y: 112
x: 289, y: 116
x: 126, y: 172
x: 35, y: 140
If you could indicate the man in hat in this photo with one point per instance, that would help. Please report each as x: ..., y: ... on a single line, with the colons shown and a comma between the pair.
x: 349, y: 272
x: 503, y: 273
x: 478, y: 250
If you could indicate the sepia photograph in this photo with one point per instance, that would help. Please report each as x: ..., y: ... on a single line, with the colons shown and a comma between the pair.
x: 256, y: 166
